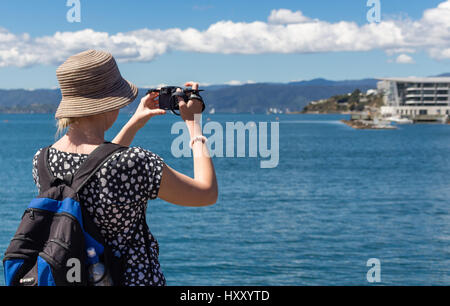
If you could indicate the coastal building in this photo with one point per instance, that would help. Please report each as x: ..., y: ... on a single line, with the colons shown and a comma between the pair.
x: 371, y: 92
x: 415, y: 98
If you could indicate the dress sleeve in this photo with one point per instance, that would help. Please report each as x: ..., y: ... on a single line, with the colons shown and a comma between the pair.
x: 35, y: 169
x: 152, y: 168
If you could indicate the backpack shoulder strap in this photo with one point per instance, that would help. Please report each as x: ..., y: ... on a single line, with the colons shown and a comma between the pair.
x: 46, y: 178
x: 93, y: 162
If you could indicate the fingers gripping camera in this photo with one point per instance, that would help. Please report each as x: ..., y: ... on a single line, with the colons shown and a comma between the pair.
x: 168, y: 97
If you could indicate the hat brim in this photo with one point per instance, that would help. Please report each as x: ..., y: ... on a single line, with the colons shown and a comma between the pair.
x: 82, y: 106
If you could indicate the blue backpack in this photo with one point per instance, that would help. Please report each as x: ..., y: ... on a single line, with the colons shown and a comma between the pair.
x: 49, y: 247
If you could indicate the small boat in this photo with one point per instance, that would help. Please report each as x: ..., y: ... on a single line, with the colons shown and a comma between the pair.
x: 383, y: 127
x: 274, y: 110
x: 400, y: 120
x: 379, y: 124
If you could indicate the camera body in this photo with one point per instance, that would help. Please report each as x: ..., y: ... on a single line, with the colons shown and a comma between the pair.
x: 168, y: 97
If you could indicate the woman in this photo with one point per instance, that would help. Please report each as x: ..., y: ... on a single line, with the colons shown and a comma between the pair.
x: 116, y: 197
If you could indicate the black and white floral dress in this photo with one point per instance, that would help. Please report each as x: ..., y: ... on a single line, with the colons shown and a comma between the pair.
x: 116, y: 198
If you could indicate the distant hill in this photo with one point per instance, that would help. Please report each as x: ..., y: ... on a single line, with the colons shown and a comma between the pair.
x: 259, y: 97
x: 256, y: 98
x: 324, y: 82
x: 27, y: 101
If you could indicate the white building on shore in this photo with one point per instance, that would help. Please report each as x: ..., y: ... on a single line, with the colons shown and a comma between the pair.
x: 415, y: 97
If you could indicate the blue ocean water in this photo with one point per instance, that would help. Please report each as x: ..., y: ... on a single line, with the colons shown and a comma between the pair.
x: 338, y: 197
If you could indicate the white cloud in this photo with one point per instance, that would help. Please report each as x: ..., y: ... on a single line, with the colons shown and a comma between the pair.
x: 284, y: 16
x: 394, y: 51
x: 237, y: 83
x: 153, y: 86
x: 285, y: 32
x: 439, y: 54
x: 404, y: 59
x: 202, y: 84
x: 21, y: 51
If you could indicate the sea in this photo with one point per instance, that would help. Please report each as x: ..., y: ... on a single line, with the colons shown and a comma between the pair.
x: 340, y: 207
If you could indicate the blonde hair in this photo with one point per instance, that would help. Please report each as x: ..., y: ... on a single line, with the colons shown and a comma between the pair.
x: 62, y: 124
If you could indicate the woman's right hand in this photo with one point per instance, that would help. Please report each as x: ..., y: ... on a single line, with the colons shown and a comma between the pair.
x: 148, y: 108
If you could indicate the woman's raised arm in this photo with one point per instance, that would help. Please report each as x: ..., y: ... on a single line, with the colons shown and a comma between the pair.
x: 148, y: 108
x: 177, y: 188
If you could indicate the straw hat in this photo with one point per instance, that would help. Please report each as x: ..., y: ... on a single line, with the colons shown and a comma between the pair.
x: 91, y: 84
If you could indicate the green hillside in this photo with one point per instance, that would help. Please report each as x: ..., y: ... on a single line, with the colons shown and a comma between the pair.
x: 354, y: 102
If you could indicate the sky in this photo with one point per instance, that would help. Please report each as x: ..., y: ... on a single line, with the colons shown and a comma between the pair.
x: 226, y: 42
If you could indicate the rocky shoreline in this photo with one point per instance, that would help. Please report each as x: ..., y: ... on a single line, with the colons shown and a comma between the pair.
x: 367, y: 125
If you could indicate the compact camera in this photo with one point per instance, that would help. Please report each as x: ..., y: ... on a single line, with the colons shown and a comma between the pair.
x: 168, y: 97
